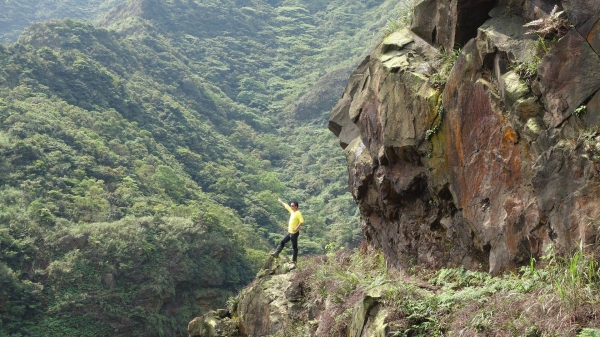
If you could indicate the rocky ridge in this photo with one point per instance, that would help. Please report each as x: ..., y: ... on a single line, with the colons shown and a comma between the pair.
x: 491, y: 167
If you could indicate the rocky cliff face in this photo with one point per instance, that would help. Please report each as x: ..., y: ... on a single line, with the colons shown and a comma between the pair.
x: 277, y: 304
x: 492, y: 164
x: 264, y: 308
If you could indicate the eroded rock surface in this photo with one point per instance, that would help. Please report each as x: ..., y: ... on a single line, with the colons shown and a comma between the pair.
x: 264, y: 308
x: 490, y: 168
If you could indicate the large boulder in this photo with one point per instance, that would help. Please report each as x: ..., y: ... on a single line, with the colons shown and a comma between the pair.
x: 491, y: 168
x: 368, y: 316
x: 263, y: 306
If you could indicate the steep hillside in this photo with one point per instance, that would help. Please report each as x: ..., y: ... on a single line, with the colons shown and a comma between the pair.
x: 142, y: 157
x: 15, y: 16
x: 82, y: 145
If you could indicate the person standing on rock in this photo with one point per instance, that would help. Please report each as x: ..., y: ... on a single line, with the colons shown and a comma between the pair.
x: 296, y: 221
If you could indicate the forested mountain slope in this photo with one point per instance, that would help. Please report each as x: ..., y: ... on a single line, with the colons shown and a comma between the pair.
x: 16, y: 15
x: 142, y: 157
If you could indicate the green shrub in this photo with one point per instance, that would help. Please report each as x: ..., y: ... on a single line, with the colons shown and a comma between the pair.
x: 587, y: 332
x: 443, y: 65
x: 403, y: 19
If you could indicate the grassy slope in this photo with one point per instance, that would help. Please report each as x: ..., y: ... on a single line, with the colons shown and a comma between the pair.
x: 560, y: 299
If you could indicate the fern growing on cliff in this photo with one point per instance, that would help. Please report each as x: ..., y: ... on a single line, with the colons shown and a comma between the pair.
x: 556, y: 25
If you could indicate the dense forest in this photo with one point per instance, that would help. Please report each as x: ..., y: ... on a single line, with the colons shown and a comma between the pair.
x: 15, y: 15
x: 143, y: 150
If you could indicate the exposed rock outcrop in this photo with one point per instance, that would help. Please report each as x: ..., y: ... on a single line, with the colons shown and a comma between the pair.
x: 265, y: 307
x: 274, y: 304
x: 491, y: 167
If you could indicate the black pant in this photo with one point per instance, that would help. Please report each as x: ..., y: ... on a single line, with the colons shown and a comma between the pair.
x: 286, y: 239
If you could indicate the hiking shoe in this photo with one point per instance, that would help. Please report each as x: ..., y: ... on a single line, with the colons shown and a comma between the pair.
x: 275, y: 254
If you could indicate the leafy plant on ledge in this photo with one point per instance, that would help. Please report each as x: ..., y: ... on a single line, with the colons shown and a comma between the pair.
x: 556, y: 25
x: 443, y: 65
x: 403, y: 20
x: 527, y: 70
x: 580, y: 111
x: 549, y: 31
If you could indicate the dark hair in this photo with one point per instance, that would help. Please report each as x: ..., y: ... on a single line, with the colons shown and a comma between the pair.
x: 294, y: 202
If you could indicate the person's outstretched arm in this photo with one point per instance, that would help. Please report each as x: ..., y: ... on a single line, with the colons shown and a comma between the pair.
x: 285, y: 205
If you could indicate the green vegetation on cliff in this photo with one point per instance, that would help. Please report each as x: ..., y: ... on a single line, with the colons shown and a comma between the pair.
x: 558, y: 299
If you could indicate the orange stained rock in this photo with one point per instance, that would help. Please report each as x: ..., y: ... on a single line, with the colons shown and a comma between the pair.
x: 592, y: 32
x: 511, y: 135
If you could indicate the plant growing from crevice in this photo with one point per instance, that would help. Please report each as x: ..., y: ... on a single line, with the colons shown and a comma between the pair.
x: 555, y: 26
x: 527, y: 69
x: 403, y: 19
x: 589, y: 141
x: 440, y: 115
x: 546, y: 44
x: 443, y: 65
x: 580, y: 110
x: 429, y: 133
x: 436, y: 128
x: 549, y: 31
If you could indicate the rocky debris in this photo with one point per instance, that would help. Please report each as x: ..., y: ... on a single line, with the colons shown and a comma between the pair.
x: 492, y: 167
